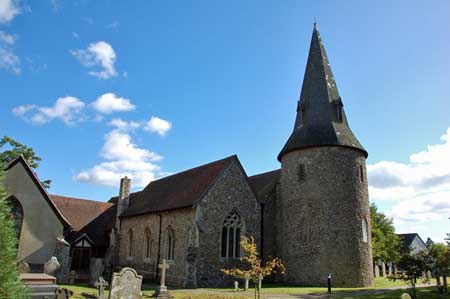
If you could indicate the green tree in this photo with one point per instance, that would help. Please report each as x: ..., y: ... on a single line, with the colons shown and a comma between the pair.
x: 10, y: 284
x: 411, y: 265
x: 386, y: 245
x: 11, y: 149
x: 440, y: 256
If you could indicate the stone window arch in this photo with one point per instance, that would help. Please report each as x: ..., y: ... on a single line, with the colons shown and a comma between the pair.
x: 170, y: 243
x: 231, y: 236
x: 365, y: 230
x: 17, y: 215
x: 130, y: 243
x: 148, y: 243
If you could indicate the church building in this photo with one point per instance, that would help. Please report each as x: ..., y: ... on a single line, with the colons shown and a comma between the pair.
x: 313, y: 212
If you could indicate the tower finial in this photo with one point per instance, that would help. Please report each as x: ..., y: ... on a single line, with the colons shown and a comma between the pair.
x: 315, y: 23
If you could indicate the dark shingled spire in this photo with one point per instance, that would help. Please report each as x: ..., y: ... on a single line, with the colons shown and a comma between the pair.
x: 321, y: 119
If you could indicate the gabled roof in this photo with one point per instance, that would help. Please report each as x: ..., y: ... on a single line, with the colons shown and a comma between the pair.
x: 263, y: 184
x: 97, y: 230
x: 37, y: 182
x: 177, y: 191
x: 407, y: 240
x: 79, y: 212
x: 321, y: 119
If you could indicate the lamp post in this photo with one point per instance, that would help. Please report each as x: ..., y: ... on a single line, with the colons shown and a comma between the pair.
x: 329, y: 282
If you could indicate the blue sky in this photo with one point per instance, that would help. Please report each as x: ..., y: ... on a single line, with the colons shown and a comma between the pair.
x: 174, y: 84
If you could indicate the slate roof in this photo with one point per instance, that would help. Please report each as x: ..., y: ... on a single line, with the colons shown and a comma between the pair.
x: 263, y: 184
x: 407, y: 240
x: 79, y: 212
x: 180, y: 190
x: 318, y: 122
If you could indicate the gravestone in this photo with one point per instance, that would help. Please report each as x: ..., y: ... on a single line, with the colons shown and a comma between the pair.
x: 161, y: 291
x: 390, y: 268
x: 96, y: 269
x: 100, y: 285
x: 126, y: 285
x: 51, y: 266
x: 405, y: 296
x: 63, y: 293
x: 247, y: 280
x: 236, y: 286
x: 377, y: 271
x: 72, y: 277
x: 23, y: 267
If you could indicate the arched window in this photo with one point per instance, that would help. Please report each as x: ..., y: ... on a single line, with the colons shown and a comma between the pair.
x: 17, y: 214
x: 231, y: 236
x: 148, y: 243
x: 170, y: 244
x: 365, y: 230
x: 130, y: 243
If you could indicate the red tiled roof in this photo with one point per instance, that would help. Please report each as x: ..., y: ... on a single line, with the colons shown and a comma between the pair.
x: 180, y: 190
x: 79, y: 212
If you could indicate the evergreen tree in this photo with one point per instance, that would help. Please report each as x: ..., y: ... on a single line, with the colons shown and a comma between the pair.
x: 386, y: 245
x: 10, y: 284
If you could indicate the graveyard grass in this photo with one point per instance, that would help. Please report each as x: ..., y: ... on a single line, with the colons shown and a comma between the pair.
x: 147, y: 290
x: 422, y: 293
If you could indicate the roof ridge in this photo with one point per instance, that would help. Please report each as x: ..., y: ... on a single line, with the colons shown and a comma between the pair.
x: 193, y: 168
x: 82, y: 199
x: 263, y: 173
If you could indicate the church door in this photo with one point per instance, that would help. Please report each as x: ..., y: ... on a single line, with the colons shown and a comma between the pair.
x: 80, y: 258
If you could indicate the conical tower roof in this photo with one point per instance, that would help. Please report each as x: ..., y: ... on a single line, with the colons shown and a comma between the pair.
x: 321, y: 119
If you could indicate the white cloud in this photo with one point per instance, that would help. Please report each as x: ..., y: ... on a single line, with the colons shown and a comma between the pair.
x: 99, y: 54
x: 8, y: 10
x: 109, y: 103
x: 124, y: 125
x: 158, y: 125
x: 419, y: 189
x: 9, y: 61
x: 123, y: 158
x: 7, y: 38
x: 67, y: 109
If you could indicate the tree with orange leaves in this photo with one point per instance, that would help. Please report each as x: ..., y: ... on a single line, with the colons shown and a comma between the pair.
x: 255, y: 268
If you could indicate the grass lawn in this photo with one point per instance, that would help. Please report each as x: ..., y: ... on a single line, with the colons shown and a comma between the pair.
x: 147, y: 290
x: 380, y: 283
x: 422, y: 293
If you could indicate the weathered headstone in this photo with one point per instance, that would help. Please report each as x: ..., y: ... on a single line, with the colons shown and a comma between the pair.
x: 23, y: 267
x: 247, y: 280
x: 236, y: 286
x: 63, y: 293
x: 161, y: 291
x: 51, y: 266
x: 72, y: 277
x: 96, y: 269
x: 390, y: 269
x: 260, y: 279
x: 126, y: 285
x: 383, y: 269
x: 405, y: 296
x: 377, y: 271
x: 100, y: 284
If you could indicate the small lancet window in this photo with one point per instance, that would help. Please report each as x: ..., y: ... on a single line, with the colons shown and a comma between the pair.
x: 231, y: 236
x: 301, y: 111
x: 361, y: 173
x: 148, y: 243
x: 301, y: 172
x: 170, y: 244
x: 130, y: 243
x: 365, y: 230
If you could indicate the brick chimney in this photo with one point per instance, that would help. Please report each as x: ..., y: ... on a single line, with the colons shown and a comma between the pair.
x: 124, y: 198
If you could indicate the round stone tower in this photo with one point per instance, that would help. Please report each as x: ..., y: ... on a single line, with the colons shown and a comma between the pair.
x: 324, y: 213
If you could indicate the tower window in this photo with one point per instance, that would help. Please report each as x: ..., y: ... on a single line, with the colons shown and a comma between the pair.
x: 361, y: 173
x: 365, y: 231
x: 130, y: 243
x: 301, y: 172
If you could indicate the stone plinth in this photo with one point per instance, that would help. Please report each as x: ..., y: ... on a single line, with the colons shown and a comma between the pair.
x: 41, y: 285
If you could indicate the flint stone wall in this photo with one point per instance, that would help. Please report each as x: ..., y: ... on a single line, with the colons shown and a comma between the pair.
x: 320, y: 218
